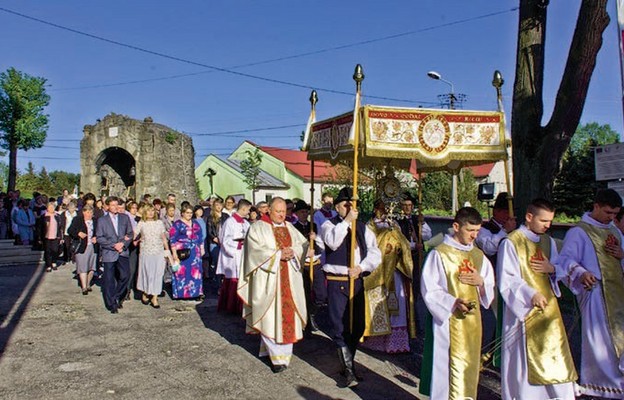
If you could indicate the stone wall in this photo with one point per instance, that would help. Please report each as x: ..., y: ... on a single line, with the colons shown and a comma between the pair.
x: 128, y: 157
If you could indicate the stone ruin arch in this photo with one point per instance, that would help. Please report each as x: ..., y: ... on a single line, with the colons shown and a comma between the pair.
x: 117, y: 169
x: 121, y: 156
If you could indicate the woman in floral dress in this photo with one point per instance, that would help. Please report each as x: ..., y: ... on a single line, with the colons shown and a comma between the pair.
x: 154, y: 245
x: 185, y: 233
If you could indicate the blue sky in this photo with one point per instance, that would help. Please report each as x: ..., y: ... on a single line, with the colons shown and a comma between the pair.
x: 83, y: 73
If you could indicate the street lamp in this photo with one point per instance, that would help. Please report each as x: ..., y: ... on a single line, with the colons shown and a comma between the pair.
x: 438, y: 77
x: 451, y: 97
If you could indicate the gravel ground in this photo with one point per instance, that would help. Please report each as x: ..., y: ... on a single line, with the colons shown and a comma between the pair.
x: 56, y: 343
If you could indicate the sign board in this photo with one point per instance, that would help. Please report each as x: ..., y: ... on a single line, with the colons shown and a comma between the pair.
x: 113, y: 131
x: 609, y: 162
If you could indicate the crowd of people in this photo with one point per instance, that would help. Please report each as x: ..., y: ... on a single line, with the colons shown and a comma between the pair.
x: 278, y: 263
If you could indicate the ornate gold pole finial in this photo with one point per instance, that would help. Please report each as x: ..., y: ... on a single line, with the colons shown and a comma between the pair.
x: 358, y: 76
x: 497, y: 82
x: 313, y: 99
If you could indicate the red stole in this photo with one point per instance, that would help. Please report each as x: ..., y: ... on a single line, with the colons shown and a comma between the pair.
x: 283, y: 240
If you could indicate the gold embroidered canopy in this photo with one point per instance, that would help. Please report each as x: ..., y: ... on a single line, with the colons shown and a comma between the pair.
x: 436, y: 139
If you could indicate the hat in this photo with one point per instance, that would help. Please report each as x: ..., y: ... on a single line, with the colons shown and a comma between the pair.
x: 410, y: 197
x: 501, y: 201
x: 345, y: 194
x: 301, y: 205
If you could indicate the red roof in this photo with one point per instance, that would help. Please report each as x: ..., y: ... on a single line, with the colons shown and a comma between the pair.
x: 481, y: 171
x: 296, y: 161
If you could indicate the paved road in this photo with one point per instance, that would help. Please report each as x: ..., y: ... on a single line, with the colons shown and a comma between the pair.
x: 57, y: 344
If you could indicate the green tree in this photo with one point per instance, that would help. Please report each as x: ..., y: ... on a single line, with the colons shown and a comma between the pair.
x: 576, y: 184
x: 538, y: 149
x: 438, y: 187
x: 45, y: 183
x: 23, y: 125
x: 4, y: 175
x: 467, y: 190
x: 63, y: 180
x: 250, y: 167
x: 28, y: 182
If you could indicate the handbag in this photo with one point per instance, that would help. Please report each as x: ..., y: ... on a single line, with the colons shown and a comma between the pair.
x: 75, y: 245
x: 184, y: 254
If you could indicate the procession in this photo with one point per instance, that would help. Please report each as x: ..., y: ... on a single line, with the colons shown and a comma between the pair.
x: 277, y: 264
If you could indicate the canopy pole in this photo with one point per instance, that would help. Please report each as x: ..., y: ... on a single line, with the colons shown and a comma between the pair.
x: 358, y: 77
x: 420, y: 224
x: 313, y: 101
x: 509, y: 187
x: 311, y: 241
x: 498, y: 82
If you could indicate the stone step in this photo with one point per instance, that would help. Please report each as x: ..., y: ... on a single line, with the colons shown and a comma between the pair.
x: 18, y: 251
x: 4, y: 243
x: 19, y: 260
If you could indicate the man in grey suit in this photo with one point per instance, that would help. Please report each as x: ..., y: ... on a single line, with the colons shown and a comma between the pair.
x: 114, y: 235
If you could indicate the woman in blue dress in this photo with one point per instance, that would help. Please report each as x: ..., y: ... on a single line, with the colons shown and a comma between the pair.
x: 186, y: 233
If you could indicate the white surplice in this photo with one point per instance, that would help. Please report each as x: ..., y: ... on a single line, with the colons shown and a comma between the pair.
x: 441, y: 305
x: 231, y: 253
x: 518, y: 295
x: 260, y: 288
x: 600, y: 366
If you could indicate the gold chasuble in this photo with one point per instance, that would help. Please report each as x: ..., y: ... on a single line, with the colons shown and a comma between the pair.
x: 548, y: 353
x: 612, y: 281
x: 465, y: 330
x: 379, y: 286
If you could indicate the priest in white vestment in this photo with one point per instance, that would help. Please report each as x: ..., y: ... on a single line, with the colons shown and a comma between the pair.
x: 527, y: 280
x: 271, y: 284
x: 457, y: 279
x: 591, y: 258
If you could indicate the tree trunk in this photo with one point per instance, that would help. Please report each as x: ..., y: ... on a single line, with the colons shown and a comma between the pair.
x: 537, y: 150
x: 12, y: 167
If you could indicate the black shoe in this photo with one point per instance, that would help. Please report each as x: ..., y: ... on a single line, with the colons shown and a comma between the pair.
x: 120, y: 303
x: 353, y: 350
x: 127, y: 296
x: 162, y: 294
x: 90, y: 288
x: 346, y: 361
x: 278, y: 368
x: 114, y: 311
x: 85, y: 292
